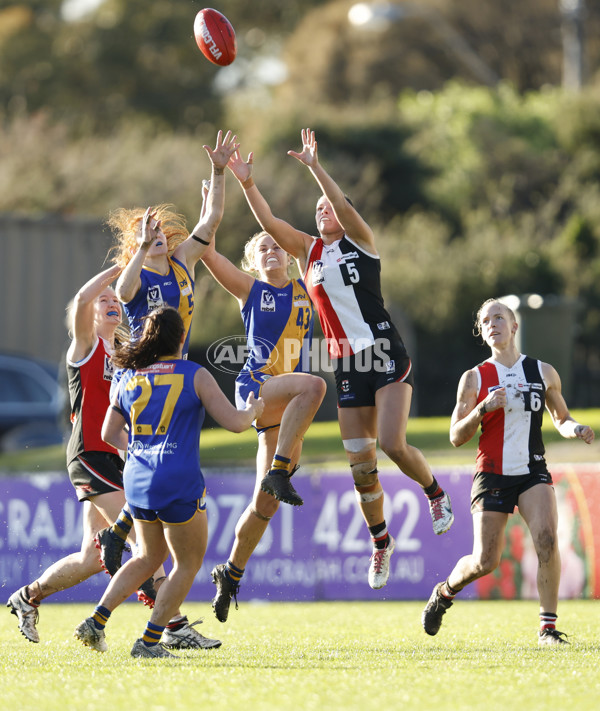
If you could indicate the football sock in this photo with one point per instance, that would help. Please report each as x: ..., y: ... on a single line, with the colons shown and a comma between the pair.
x: 280, y: 465
x: 32, y: 594
x: 100, y: 617
x: 176, y: 623
x: 548, y: 621
x: 123, y: 524
x: 234, y: 573
x: 379, y: 535
x: 152, y: 634
x: 433, y: 490
x: 447, y: 591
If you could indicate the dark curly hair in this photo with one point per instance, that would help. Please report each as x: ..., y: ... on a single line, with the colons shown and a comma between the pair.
x: 161, y: 336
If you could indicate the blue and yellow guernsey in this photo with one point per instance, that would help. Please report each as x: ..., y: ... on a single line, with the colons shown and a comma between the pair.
x: 279, y: 325
x: 174, y: 289
x: 165, y: 416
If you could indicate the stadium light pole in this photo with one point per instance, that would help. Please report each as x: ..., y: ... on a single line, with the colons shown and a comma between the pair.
x: 573, y: 15
x: 379, y: 16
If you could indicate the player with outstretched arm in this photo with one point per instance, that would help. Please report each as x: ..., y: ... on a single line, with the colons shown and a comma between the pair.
x: 374, y: 379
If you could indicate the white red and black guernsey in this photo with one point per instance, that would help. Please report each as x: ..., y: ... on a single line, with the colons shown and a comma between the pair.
x: 511, y: 437
x: 89, y: 387
x: 344, y: 283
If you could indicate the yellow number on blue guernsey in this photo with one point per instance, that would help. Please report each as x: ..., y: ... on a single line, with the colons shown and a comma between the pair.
x: 175, y: 384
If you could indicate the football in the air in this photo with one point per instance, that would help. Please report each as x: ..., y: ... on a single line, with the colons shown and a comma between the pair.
x: 215, y: 37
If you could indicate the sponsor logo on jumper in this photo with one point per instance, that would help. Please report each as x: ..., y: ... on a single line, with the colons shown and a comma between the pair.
x: 138, y: 448
x: 347, y: 256
x: 383, y: 326
x: 159, y: 367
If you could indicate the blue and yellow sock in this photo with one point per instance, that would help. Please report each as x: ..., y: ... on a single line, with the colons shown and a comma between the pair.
x: 123, y: 524
x: 152, y: 634
x: 234, y: 573
x: 280, y: 465
x: 100, y: 617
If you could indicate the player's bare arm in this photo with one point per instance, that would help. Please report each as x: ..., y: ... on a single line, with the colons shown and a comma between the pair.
x: 220, y: 409
x: 557, y: 407
x: 237, y: 282
x: 129, y: 281
x: 213, y: 202
x: 293, y: 241
x: 352, y: 223
x: 84, y: 329
x: 467, y: 415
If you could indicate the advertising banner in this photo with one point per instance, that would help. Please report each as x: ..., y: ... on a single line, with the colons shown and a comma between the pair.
x: 319, y: 551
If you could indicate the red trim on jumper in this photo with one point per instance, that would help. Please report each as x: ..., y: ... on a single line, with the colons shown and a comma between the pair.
x: 490, y: 451
x: 330, y: 323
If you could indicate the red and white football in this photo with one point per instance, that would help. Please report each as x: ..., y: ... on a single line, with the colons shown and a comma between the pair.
x: 215, y: 37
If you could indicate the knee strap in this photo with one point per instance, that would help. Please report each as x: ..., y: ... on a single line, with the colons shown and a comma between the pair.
x: 372, y: 494
x: 365, y: 473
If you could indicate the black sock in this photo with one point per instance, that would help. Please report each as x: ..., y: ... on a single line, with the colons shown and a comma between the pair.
x: 433, y: 490
x: 379, y: 535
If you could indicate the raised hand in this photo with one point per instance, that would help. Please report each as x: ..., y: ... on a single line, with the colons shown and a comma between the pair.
x: 308, y: 155
x: 242, y: 170
x: 223, y: 150
x: 150, y: 227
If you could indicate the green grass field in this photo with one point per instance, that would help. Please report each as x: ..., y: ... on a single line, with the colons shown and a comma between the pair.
x: 306, y: 656
x: 323, y: 447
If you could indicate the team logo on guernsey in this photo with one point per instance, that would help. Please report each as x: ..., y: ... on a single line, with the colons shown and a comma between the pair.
x: 267, y: 301
x: 391, y: 366
x: 155, y: 297
x: 185, y: 287
x: 345, y: 387
x: 317, y: 272
x: 109, y: 368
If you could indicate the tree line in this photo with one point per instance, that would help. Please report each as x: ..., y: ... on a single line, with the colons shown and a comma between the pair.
x: 473, y: 191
